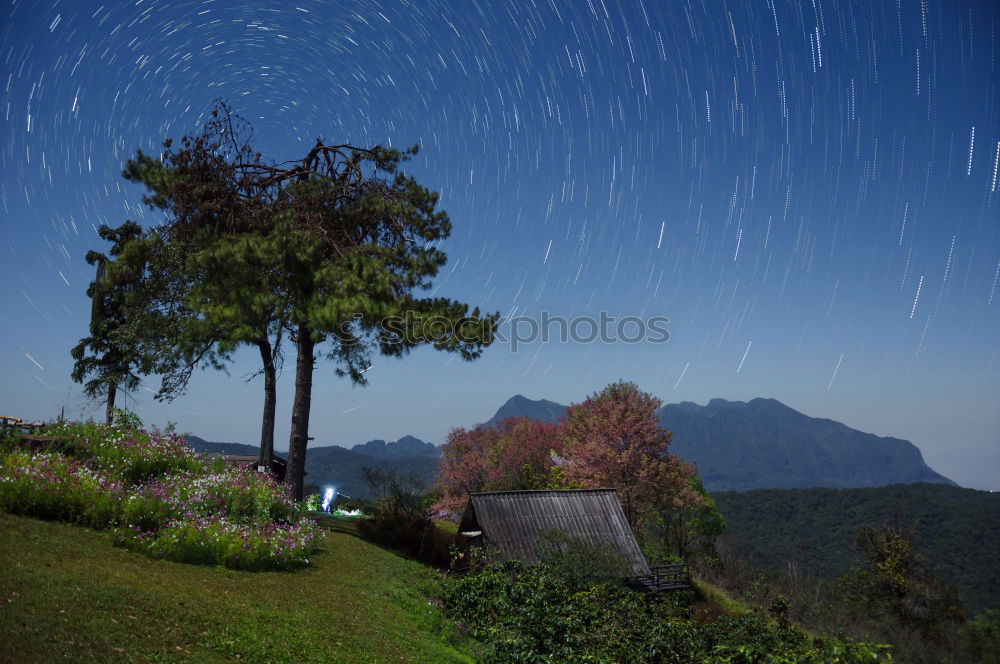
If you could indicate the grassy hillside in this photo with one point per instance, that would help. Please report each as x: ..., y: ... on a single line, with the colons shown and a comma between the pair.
x: 67, y: 593
x: 958, y: 530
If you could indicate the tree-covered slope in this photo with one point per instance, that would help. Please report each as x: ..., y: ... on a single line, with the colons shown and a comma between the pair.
x: 765, y: 444
x: 344, y: 468
x: 958, y: 530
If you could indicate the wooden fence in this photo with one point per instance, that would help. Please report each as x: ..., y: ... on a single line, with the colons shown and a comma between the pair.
x: 666, y: 577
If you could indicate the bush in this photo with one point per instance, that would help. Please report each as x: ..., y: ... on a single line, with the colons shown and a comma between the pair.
x: 131, y: 455
x: 535, y: 614
x: 572, y: 558
x: 402, y: 518
x: 219, y: 541
x: 980, y: 637
x: 158, y: 496
x: 415, y: 534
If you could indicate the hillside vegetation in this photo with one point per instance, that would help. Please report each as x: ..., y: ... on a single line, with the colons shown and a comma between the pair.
x: 68, y: 594
x: 958, y: 530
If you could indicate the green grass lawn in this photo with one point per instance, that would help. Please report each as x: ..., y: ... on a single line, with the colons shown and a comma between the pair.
x: 67, y: 594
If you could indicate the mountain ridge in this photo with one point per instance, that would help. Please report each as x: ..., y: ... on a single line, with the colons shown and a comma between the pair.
x: 764, y: 443
x: 736, y: 445
x: 343, y: 468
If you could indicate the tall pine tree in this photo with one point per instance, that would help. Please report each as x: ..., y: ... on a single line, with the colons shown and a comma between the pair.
x: 135, y: 314
x: 231, y: 284
x: 342, y: 238
x: 104, y: 363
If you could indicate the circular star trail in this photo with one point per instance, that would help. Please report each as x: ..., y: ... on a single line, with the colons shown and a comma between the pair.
x: 807, y: 189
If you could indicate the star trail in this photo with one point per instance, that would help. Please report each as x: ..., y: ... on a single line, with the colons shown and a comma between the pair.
x: 807, y: 189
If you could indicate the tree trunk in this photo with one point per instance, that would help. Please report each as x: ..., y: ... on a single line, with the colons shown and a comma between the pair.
x: 300, y: 413
x: 109, y: 415
x: 270, y: 400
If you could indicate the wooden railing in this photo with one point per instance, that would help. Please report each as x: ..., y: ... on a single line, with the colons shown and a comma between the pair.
x: 17, y: 424
x: 667, y: 577
x: 27, y: 432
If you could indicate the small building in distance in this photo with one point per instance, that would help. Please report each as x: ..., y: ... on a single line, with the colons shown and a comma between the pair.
x: 515, y: 523
x: 278, y: 465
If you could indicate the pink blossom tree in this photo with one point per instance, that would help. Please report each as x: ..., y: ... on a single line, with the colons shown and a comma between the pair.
x: 614, y: 440
x: 514, y: 455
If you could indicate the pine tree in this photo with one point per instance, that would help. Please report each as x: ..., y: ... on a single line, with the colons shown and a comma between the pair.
x: 103, y: 364
x: 134, y: 315
x: 231, y: 286
x: 339, y: 241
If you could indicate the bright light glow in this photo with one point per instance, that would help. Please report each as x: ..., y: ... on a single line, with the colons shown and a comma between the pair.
x: 348, y: 512
x: 328, y: 495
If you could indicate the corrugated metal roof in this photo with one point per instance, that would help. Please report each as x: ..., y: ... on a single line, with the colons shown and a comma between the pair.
x: 512, y: 521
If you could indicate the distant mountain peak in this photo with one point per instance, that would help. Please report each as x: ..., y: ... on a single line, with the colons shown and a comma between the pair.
x: 763, y: 443
x: 720, y: 403
x: 407, y: 446
x: 521, y: 406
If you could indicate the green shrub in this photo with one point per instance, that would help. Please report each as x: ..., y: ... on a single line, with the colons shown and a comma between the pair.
x: 537, y: 614
x: 220, y: 542
x: 415, y: 534
x: 980, y: 637
x: 573, y: 558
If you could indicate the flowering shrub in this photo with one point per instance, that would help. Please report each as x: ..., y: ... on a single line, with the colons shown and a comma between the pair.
x: 241, y: 494
x: 133, y: 455
x: 220, y: 541
x: 52, y: 486
x: 158, y: 496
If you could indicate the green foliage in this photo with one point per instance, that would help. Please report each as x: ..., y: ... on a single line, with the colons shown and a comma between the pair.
x: 779, y: 609
x: 105, y: 361
x: 124, y: 419
x: 682, y: 530
x: 220, y: 542
x: 138, y: 315
x: 415, y: 535
x: 557, y: 480
x: 893, y: 578
x: 575, y: 558
x: 402, y: 518
x: 534, y: 614
x: 127, y: 454
x: 980, y: 637
x: 957, y: 530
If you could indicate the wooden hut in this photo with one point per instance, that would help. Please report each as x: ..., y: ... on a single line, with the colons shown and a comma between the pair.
x: 514, y: 522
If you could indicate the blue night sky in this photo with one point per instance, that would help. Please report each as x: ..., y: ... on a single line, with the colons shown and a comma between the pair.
x: 807, y: 189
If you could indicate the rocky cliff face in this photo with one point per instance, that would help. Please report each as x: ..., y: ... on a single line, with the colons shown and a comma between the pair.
x: 765, y: 444
x: 407, y: 446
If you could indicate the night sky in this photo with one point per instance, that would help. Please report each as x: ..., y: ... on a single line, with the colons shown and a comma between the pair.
x: 807, y: 189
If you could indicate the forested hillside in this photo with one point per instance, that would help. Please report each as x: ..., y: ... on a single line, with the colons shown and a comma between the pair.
x: 958, y: 530
x: 344, y: 468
